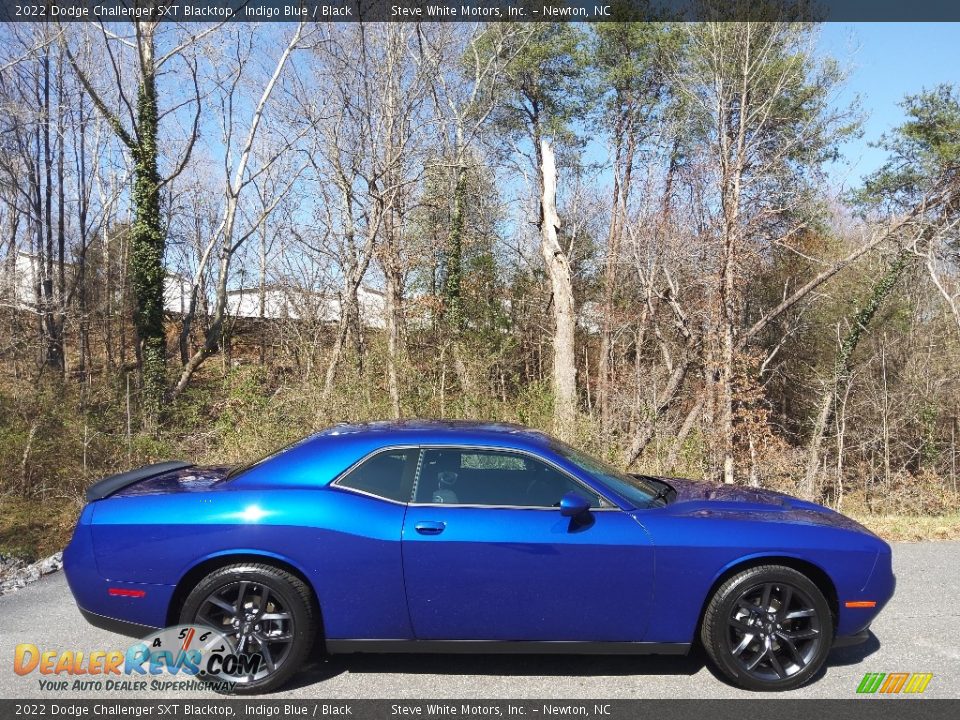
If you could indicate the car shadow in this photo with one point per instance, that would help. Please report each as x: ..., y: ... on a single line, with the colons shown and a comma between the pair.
x: 853, y: 654
x: 838, y: 657
x: 324, y: 668
x: 327, y: 667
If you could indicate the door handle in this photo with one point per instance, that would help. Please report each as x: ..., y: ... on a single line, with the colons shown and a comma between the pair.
x: 429, y: 527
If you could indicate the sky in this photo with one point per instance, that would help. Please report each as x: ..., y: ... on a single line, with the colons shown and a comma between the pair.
x: 887, y: 61
x: 884, y: 62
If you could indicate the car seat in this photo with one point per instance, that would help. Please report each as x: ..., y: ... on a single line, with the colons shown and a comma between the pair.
x: 446, y: 479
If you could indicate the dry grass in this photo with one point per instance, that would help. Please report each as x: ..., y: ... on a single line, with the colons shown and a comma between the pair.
x: 32, y: 529
x: 249, y: 412
x: 912, y: 528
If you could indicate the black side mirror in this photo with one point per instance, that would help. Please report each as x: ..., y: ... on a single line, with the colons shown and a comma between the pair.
x: 574, y: 505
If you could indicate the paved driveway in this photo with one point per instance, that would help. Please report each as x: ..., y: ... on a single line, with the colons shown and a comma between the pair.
x: 917, y: 632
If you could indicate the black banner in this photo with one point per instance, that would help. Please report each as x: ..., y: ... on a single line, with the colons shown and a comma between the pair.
x: 476, y: 10
x: 257, y: 709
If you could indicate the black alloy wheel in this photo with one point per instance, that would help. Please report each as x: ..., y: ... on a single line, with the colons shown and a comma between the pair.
x: 768, y: 628
x: 266, y: 612
x: 773, y: 631
x: 256, y: 618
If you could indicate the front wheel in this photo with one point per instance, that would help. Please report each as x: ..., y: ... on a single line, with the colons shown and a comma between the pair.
x: 768, y: 628
x: 266, y: 612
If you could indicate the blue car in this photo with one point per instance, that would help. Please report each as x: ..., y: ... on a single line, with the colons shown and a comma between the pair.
x: 435, y: 536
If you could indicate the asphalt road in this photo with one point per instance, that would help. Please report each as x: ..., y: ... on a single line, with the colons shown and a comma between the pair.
x: 916, y: 632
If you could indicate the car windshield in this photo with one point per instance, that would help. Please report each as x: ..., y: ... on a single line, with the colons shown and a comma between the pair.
x: 637, y: 490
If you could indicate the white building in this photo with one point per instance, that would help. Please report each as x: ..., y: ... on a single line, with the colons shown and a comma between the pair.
x: 288, y: 302
x: 19, y: 278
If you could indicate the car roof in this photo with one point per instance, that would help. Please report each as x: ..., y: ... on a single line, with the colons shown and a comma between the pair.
x: 429, y: 430
x: 319, y: 458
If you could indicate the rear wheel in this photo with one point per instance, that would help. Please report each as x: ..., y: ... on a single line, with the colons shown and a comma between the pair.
x: 267, y: 612
x: 768, y: 628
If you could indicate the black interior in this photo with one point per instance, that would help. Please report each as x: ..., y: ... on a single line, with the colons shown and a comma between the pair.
x: 464, y: 477
x: 446, y: 477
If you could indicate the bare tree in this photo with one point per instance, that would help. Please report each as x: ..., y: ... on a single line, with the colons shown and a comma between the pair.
x: 137, y: 125
x: 239, y: 176
x: 764, y: 102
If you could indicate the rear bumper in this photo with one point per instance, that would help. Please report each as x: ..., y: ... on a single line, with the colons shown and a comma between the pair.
x: 120, y: 627
x: 92, y: 592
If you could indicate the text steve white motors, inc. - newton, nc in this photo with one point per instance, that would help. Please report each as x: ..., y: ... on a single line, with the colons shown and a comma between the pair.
x: 470, y: 12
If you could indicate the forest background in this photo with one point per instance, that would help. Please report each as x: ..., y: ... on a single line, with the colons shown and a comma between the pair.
x: 650, y: 239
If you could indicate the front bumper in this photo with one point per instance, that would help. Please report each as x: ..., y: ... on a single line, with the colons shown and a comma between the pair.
x: 850, y: 640
x: 878, y: 587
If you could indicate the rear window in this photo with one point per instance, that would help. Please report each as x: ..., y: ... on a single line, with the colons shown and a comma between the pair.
x: 388, y: 474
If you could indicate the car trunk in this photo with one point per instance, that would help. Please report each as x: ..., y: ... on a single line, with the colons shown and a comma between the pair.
x: 160, y: 479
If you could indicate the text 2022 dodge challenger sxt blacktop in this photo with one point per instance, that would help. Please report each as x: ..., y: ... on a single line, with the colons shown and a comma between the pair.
x: 468, y: 537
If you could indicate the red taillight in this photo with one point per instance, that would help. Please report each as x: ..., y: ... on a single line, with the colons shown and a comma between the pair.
x: 126, y: 592
x: 860, y: 603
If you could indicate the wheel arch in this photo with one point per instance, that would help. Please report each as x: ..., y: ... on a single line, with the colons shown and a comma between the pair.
x: 817, y: 575
x: 205, y: 566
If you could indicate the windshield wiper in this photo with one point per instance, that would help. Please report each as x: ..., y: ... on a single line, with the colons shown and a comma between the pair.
x: 661, y: 494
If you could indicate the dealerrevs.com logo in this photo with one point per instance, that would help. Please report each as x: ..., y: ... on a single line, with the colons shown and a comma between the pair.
x: 179, y: 657
x: 894, y: 683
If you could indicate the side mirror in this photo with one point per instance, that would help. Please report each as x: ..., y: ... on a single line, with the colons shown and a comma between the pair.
x: 574, y: 505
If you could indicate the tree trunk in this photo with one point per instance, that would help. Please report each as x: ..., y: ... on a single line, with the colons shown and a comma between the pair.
x: 213, y: 337
x: 841, y: 368
x: 689, y: 421
x: 147, y: 240
x: 60, y: 294
x: 621, y: 191
x: 558, y: 270
x: 54, y: 344
x: 394, y: 321
x: 262, y: 298
x: 86, y: 358
x: 453, y: 288
x: 664, y: 401
x: 217, y: 335
x: 350, y: 320
x: 726, y: 366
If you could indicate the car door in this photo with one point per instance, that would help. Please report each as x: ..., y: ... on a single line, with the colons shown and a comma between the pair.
x: 488, y: 556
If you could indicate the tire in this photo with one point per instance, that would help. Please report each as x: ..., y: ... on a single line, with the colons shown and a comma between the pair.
x: 280, y: 619
x: 768, y: 628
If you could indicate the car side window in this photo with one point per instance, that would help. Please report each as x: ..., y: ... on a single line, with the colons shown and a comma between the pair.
x: 462, y: 476
x: 388, y: 474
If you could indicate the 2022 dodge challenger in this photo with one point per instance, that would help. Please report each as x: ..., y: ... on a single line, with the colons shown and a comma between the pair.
x: 467, y: 537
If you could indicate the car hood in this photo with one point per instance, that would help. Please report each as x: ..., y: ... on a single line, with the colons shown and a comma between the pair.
x: 707, y: 499
x: 721, y: 492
